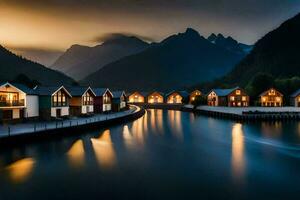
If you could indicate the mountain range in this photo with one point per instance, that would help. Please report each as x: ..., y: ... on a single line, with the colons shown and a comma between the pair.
x: 180, y: 60
x: 276, y: 54
x: 16, y: 68
x: 80, y: 61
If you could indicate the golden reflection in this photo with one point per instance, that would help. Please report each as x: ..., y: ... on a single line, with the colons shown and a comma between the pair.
x: 76, y: 154
x: 20, y: 170
x: 159, y: 120
x: 145, y: 121
x: 139, y: 129
x: 127, y: 136
x: 153, y: 119
x: 238, y: 161
x: 175, y: 123
x: 104, y: 150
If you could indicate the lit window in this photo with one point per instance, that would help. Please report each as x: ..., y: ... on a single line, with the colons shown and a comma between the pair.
x: 231, y: 98
x: 238, y: 92
x: 244, y: 98
x: 264, y: 99
x: 278, y: 99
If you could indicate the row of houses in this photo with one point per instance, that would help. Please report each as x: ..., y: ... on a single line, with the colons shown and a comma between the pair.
x: 19, y: 102
x: 174, y: 97
x: 234, y: 97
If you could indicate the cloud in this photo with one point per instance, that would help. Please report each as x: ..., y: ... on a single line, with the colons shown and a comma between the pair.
x: 111, y: 36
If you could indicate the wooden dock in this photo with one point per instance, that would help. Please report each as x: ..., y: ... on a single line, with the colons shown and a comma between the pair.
x: 249, y: 113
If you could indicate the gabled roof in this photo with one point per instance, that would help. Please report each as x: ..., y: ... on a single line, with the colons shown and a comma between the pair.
x: 144, y: 94
x: 100, y: 91
x: 118, y: 94
x: 181, y: 93
x: 223, y: 92
x: 265, y: 92
x: 21, y: 87
x: 79, y: 91
x: 196, y: 90
x: 295, y: 94
x: 150, y: 93
x: 50, y: 90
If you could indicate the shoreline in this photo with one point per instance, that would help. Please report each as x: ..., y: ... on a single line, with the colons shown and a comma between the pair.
x: 59, y: 132
x: 250, y: 113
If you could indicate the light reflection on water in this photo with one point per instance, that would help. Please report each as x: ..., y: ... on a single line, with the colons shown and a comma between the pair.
x: 20, y: 170
x: 238, y: 160
x: 76, y: 154
x: 216, y: 154
x: 104, y: 150
x: 174, y: 118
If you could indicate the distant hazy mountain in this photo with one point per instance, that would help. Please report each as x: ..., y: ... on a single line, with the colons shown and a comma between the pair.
x: 276, y: 54
x: 80, y: 61
x: 42, y: 56
x: 229, y: 43
x: 180, y: 60
x: 13, y: 67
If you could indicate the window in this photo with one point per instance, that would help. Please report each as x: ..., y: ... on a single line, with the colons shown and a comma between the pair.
x: 10, y: 99
x: 238, y: 92
x: 88, y: 99
x: 278, y: 99
x: 272, y: 92
x: 106, y: 99
x: 232, y: 98
x: 59, y: 99
x: 244, y: 98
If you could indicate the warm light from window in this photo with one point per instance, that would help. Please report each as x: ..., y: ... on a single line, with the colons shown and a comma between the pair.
x: 278, y: 99
x: 238, y: 92
x: 231, y: 98
x: 244, y: 98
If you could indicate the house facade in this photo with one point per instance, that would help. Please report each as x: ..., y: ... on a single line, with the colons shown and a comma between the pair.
x: 17, y: 102
x: 295, y: 99
x: 176, y: 97
x: 82, y: 101
x: 137, y: 97
x: 53, y: 102
x: 194, y: 94
x: 271, y: 98
x: 119, y: 101
x: 234, y: 97
x: 155, y: 98
x: 103, y: 100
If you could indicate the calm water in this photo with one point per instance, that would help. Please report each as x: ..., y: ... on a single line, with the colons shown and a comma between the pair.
x: 165, y: 154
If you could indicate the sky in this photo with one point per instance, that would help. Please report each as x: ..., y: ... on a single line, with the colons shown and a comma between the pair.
x: 52, y: 26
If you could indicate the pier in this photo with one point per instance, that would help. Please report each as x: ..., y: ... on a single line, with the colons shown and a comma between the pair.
x: 248, y: 113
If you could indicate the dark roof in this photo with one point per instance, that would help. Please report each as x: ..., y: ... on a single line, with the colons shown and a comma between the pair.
x: 223, y: 92
x: 22, y: 87
x: 99, y: 91
x: 118, y: 94
x: 182, y: 93
x: 78, y: 91
x: 295, y: 94
x: 49, y: 90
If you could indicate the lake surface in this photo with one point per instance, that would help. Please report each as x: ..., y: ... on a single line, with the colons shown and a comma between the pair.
x: 163, y: 155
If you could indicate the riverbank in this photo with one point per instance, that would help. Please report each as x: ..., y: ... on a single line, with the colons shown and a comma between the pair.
x: 20, y: 132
